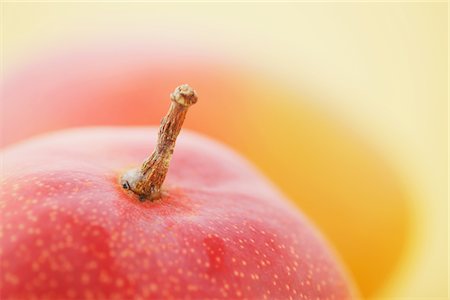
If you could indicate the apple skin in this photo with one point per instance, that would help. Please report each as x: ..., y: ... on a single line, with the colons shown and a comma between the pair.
x: 221, y: 230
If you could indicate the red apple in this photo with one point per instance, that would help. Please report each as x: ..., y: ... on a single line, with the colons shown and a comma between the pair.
x: 217, y: 230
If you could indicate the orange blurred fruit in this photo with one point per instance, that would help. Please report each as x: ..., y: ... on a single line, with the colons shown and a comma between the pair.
x: 343, y: 186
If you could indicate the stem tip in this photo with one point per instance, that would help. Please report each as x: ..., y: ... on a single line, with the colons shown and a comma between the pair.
x: 184, y: 95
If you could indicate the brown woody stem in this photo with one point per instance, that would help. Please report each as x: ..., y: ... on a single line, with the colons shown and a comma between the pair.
x: 147, y: 180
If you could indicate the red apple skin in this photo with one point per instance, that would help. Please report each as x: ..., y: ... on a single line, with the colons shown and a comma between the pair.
x: 69, y: 231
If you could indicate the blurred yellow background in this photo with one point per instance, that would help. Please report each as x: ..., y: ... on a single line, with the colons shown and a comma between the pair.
x: 379, y: 68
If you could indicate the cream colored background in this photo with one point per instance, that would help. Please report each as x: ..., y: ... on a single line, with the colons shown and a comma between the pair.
x: 382, y: 67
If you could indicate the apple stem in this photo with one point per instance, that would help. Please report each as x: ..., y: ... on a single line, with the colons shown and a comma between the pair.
x: 147, y: 180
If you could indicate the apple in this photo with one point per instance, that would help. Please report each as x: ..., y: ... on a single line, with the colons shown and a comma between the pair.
x: 76, y: 224
x: 333, y: 175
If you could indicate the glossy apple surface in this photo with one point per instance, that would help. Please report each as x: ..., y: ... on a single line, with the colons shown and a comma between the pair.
x: 220, y: 231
